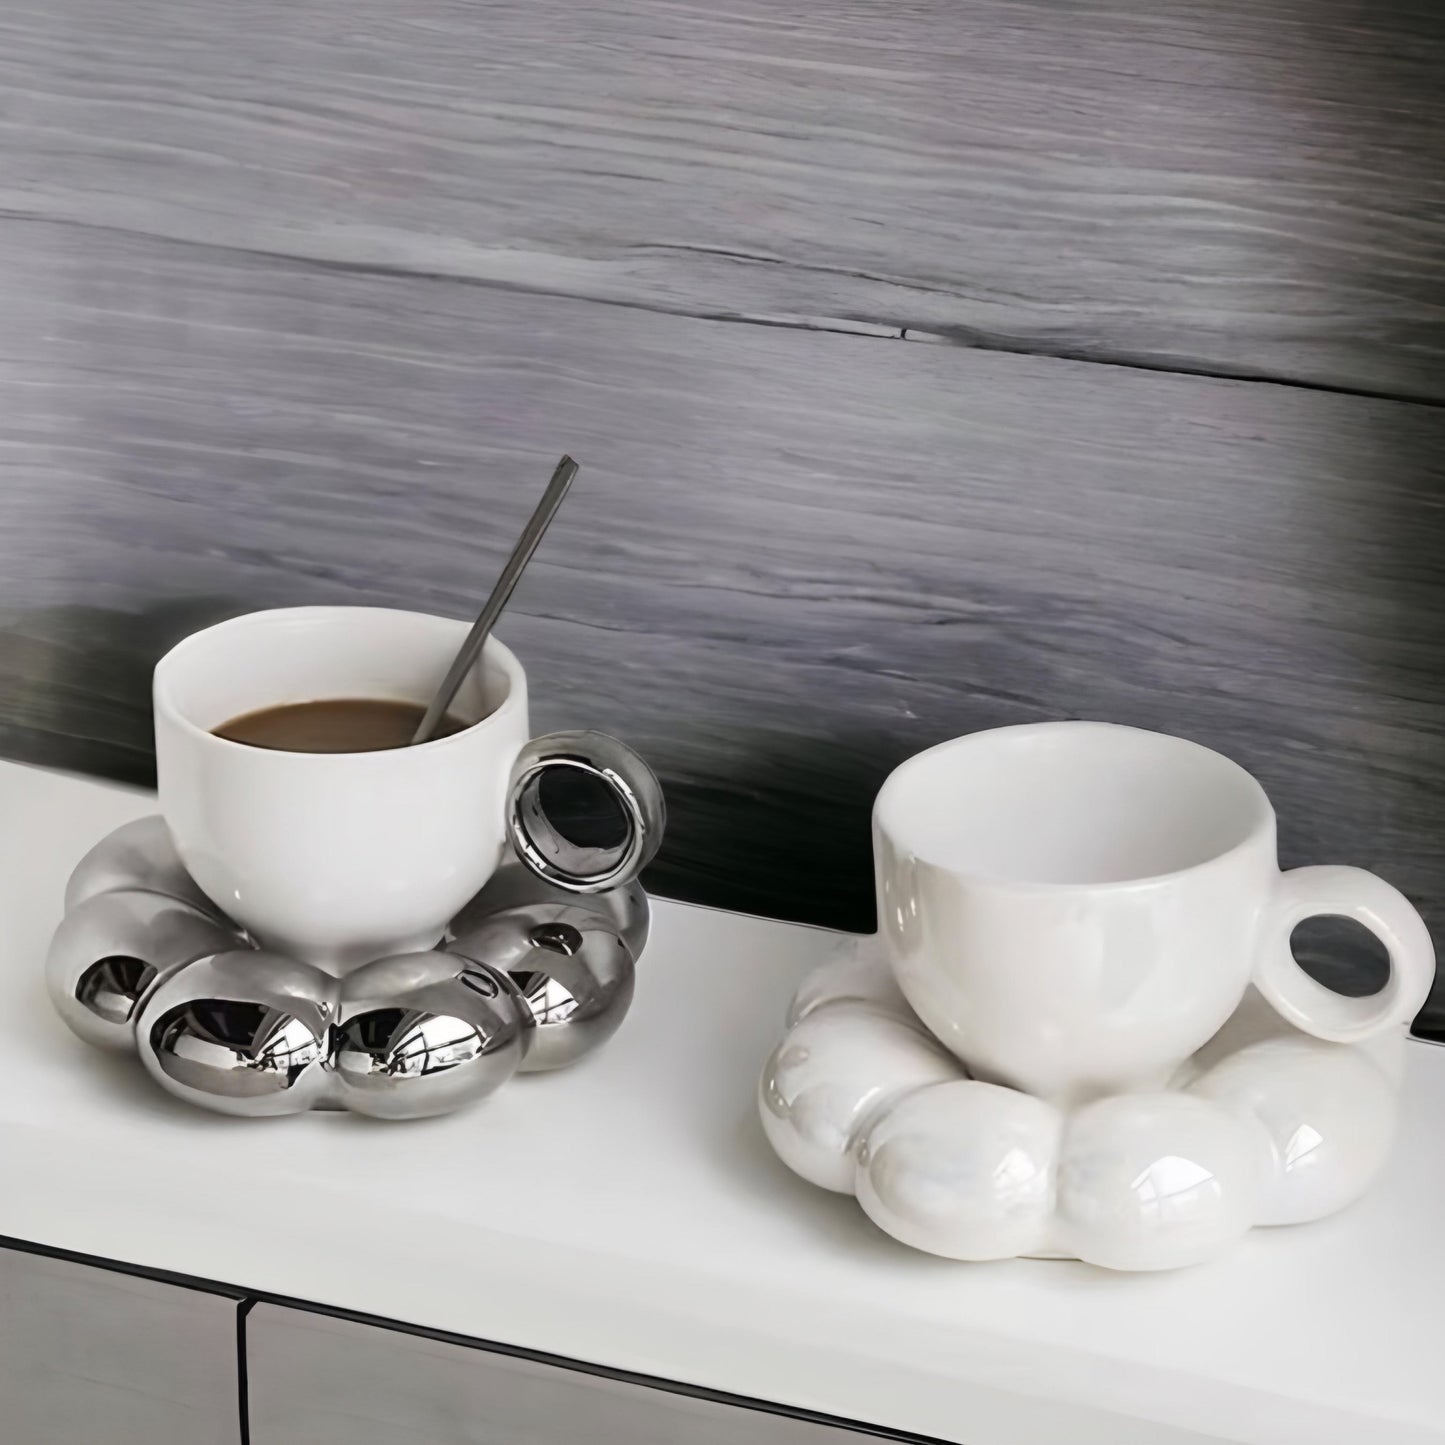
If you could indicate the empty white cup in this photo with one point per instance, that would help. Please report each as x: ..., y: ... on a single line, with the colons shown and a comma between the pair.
x: 1074, y: 908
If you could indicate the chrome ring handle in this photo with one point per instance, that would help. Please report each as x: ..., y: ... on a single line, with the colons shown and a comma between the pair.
x: 557, y: 859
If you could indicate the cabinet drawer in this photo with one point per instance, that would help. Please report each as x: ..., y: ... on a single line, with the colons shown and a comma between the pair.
x: 315, y: 1380
x: 90, y: 1356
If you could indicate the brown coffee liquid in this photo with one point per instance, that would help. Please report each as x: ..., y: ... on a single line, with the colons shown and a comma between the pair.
x: 333, y: 725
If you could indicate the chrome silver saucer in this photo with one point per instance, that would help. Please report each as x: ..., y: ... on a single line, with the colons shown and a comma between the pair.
x: 530, y: 976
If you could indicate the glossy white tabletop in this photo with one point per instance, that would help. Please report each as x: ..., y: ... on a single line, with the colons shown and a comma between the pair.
x: 630, y: 1213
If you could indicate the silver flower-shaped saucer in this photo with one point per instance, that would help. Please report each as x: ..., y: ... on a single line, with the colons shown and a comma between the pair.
x: 529, y: 976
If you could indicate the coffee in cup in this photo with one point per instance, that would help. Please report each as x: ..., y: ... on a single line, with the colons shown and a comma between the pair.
x: 335, y: 725
x: 339, y: 857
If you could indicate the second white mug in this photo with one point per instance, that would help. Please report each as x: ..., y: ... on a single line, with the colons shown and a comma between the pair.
x: 1074, y: 908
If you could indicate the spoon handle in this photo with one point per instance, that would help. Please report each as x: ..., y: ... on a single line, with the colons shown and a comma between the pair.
x: 476, y: 639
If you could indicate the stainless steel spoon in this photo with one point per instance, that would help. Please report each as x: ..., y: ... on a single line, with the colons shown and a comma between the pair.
x: 476, y: 639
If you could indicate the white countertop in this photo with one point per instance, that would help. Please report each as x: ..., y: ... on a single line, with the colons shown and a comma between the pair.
x: 630, y: 1213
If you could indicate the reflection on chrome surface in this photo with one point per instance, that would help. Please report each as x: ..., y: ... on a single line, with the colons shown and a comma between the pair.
x: 423, y: 1033
x: 572, y: 968
x: 227, y: 1046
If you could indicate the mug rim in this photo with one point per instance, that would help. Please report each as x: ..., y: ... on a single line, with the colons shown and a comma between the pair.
x: 495, y: 651
x: 1260, y: 824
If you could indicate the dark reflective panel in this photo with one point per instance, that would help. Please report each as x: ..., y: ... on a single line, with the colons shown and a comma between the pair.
x: 111, y: 988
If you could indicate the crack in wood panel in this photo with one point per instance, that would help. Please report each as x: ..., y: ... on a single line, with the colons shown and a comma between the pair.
x: 1254, y: 190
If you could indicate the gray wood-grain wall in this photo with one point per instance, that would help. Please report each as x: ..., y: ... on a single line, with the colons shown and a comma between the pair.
x: 933, y: 366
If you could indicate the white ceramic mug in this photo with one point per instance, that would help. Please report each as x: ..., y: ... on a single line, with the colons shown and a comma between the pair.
x: 1074, y: 908
x: 338, y: 858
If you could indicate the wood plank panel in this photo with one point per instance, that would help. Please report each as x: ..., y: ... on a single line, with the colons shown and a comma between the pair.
x: 1239, y: 187
x: 791, y: 560
x: 88, y: 1354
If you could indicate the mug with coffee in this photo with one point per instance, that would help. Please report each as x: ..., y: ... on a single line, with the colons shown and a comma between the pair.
x: 1074, y: 908
x: 296, y: 805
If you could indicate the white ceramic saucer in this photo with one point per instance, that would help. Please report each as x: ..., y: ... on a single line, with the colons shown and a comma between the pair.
x: 1263, y: 1126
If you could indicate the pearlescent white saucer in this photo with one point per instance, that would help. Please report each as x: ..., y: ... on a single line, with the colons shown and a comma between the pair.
x: 1263, y: 1126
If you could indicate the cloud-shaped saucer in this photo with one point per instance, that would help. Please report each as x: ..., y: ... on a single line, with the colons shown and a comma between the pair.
x: 1263, y: 1126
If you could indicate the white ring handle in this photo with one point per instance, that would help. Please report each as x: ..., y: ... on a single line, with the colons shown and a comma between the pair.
x: 1386, y: 912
